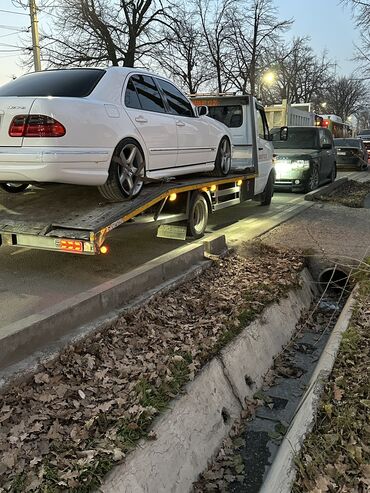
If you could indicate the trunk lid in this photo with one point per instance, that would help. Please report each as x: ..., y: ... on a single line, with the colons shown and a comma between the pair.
x: 9, y: 108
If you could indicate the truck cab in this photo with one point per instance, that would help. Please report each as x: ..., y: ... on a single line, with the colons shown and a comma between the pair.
x: 246, y: 120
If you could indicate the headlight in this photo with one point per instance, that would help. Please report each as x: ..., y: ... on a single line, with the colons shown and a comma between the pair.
x: 301, y: 164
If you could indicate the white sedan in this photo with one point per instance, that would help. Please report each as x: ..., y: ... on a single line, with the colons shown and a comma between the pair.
x: 109, y: 127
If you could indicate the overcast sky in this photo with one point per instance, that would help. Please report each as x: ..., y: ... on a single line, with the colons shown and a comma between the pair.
x: 329, y: 25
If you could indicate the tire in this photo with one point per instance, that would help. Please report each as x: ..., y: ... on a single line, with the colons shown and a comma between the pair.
x: 333, y: 173
x: 266, y: 195
x: 223, y: 159
x: 14, y: 187
x: 313, y: 180
x: 198, y: 216
x: 125, y: 171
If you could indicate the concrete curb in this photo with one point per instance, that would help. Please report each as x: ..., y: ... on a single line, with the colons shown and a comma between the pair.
x: 282, y: 472
x: 29, y: 335
x: 311, y: 196
x: 193, y: 428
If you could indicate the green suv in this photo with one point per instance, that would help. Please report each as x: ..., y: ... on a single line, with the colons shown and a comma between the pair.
x: 306, y: 160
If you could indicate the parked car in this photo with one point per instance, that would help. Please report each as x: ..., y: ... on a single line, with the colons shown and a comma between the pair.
x: 364, y: 135
x: 305, y: 160
x: 351, y: 152
x: 109, y: 127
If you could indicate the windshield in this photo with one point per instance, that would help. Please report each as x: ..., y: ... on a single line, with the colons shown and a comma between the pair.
x: 347, y: 143
x: 298, y: 138
x: 74, y: 83
x: 365, y: 132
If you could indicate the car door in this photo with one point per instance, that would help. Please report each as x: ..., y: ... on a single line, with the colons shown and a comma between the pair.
x: 265, y: 150
x: 195, y: 144
x: 147, y: 111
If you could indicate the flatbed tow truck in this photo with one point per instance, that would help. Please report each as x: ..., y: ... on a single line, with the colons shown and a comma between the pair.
x: 74, y: 219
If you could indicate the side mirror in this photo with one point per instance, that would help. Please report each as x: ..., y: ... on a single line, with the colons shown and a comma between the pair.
x: 202, y: 110
x: 284, y: 133
x: 326, y: 146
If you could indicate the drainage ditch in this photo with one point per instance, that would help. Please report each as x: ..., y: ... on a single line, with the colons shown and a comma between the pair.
x: 248, y: 452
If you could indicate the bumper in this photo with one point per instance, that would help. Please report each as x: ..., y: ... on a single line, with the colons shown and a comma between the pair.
x: 292, y: 179
x: 348, y: 162
x: 59, y: 165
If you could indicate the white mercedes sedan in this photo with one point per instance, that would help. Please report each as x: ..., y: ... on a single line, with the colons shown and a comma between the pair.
x: 113, y: 128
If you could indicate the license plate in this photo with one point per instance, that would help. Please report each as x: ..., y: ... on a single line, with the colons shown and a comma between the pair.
x: 342, y: 153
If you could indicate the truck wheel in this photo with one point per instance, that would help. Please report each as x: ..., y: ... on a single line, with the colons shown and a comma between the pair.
x: 14, y: 187
x: 313, y: 180
x: 198, y: 216
x: 125, y: 172
x: 223, y: 159
x: 266, y: 195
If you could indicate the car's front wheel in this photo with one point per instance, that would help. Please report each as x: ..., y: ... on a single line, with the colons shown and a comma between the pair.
x: 223, y: 159
x: 126, y: 171
x: 313, y: 179
x: 14, y: 187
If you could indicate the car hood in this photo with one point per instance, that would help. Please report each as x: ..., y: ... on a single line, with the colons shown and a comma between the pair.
x: 296, y: 153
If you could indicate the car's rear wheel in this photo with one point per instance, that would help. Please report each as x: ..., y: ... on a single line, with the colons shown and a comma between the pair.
x: 333, y: 173
x: 126, y: 171
x: 223, y: 159
x: 313, y: 179
x: 14, y: 187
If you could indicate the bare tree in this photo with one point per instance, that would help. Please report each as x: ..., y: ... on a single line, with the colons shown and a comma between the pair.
x: 361, y: 11
x: 345, y: 97
x: 182, y: 53
x: 302, y: 76
x: 91, y: 32
x: 214, y: 17
x: 255, y: 27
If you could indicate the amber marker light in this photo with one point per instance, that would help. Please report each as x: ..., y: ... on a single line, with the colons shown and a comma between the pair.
x: 104, y: 249
x: 239, y: 183
x: 213, y: 188
x: 173, y: 197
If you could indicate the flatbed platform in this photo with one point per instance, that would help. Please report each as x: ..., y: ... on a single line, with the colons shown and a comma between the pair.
x: 49, y: 216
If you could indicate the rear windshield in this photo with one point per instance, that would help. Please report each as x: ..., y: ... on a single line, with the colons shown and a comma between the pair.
x: 74, y: 83
x: 298, y: 138
x: 231, y: 116
x: 347, y: 143
x: 365, y: 132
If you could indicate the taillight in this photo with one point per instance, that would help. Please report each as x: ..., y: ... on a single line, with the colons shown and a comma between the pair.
x: 35, y: 126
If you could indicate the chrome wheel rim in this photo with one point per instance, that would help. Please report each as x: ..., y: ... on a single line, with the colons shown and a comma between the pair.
x: 225, y: 156
x: 131, y: 169
x: 314, y: 179
x: 200, y: 217
x: 14, y: 185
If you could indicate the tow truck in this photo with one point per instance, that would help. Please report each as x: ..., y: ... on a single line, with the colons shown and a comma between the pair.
x: 74, y: 219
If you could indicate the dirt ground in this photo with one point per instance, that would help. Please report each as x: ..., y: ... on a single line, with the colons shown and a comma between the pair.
x: 338, y: 233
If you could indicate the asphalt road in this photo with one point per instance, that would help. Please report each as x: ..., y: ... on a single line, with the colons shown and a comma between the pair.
x: 33, y: 280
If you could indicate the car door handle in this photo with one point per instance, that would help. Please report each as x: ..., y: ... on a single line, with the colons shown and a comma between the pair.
x: 141, y: 119
x: 260, y: 148
x: 179, y: 123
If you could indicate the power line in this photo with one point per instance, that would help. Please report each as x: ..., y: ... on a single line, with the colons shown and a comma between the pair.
x: 12, y: 12
x: 11, y: 28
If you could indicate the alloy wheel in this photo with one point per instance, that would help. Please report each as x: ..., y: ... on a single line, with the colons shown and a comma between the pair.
x: 130, y: 170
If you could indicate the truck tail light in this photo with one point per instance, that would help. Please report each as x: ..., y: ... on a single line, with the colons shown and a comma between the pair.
x: 71, y: 246
x: 35, y: 126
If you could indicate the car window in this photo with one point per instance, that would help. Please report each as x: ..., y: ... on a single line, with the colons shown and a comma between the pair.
x: 131, y: 97
x: 347, y: 143
x: 263, y: 130
x: 231, y: 116
x: 177, y: 102
x: 148, y: 94
x: 325, y: 137
x: 298, y: 138
x: 73, y: 83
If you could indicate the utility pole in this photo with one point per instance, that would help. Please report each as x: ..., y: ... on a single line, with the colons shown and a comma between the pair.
x: 35, y: 35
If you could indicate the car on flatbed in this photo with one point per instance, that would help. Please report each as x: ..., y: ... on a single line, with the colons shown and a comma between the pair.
x: 113, y: 128
x: 305, y: 160
x: 351, y: 153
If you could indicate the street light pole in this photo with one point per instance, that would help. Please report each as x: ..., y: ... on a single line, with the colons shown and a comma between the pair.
x: 35, y: 35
